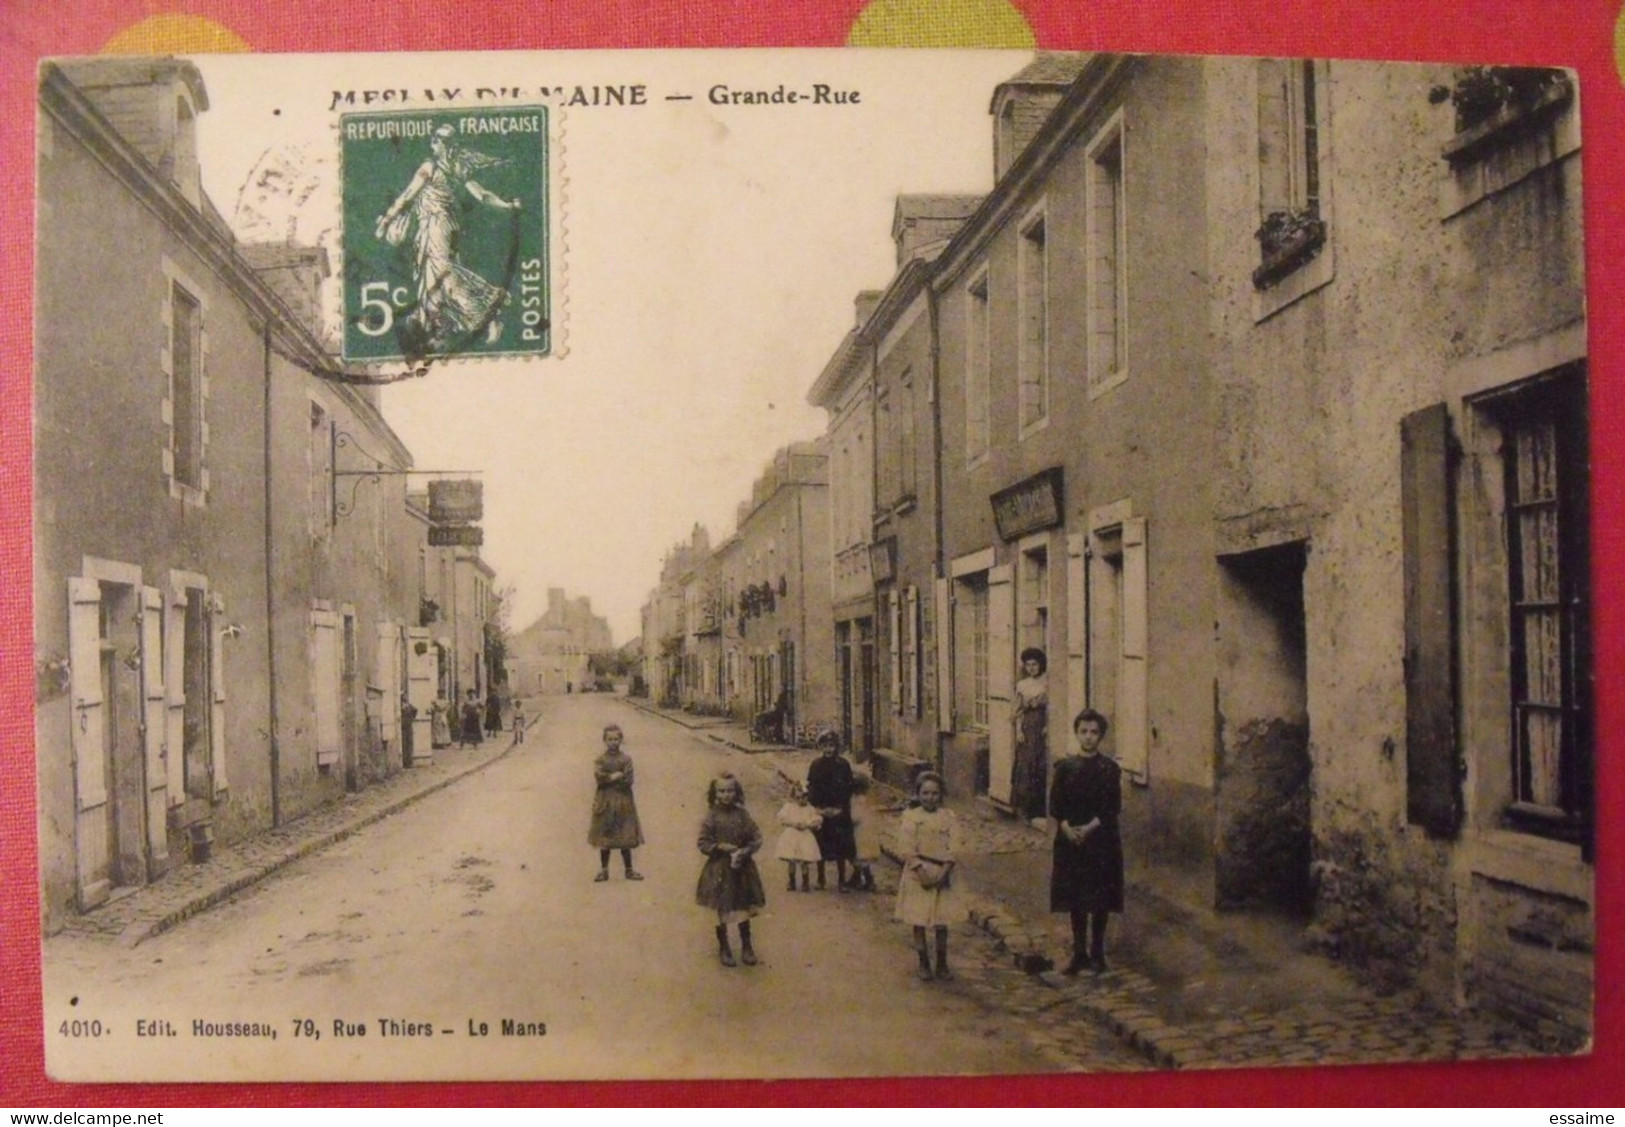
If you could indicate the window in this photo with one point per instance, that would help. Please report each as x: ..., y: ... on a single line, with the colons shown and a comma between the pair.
x: 186, y: 389
x: 1108, y: 273
x: 978, y: 372
x: 1292, y: 215
x: 906, y: 456
x: 971, y: 651
x: 1033, y: 364
x: 320, y: 460
x: 1543, y: 447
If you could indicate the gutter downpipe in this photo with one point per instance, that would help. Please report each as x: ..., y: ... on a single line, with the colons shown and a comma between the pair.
x: 270, y: 596
x: 935, y: 318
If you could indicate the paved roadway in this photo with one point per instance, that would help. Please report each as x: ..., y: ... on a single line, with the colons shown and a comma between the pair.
x: 477, y: 905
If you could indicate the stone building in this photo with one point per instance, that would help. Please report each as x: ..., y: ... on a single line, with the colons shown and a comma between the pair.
x: 1400, y: 521
x: 554, y: 653
x: 1278, y: 452
x: 225, y: 596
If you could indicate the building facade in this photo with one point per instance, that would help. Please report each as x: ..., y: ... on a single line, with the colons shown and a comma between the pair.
x: 226, y: 596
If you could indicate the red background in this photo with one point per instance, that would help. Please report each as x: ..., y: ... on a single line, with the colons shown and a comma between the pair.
x: 1574, y: 33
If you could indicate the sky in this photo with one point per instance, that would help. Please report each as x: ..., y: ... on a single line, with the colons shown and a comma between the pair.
x: 709, y: 261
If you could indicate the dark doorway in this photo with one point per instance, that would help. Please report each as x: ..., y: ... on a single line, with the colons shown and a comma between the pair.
x: 1262, y: 774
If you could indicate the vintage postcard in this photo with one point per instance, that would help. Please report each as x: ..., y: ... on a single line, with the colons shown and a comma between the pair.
x: 806, y: 563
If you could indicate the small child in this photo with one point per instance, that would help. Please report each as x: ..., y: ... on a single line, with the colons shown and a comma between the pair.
x: 518, y: 721
x: 729, y: 883
x: 865, y: 834
x: 928, y: 839
x: 797, y: 847
x: 614, y: 813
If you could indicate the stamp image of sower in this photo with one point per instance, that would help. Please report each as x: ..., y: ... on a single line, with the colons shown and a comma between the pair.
x: 445, y: 234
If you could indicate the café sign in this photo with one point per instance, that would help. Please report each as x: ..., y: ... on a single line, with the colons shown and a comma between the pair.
x: 1028, y: 505
x: 456, y: 536
x: 457, y: 501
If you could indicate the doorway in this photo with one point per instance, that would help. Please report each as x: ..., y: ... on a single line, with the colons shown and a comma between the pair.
x: 1263, y: 771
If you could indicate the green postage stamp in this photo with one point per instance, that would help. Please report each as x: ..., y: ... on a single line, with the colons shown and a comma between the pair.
x: 445, y: 234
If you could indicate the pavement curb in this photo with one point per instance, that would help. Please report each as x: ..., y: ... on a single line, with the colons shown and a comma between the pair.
x: 142, y: 930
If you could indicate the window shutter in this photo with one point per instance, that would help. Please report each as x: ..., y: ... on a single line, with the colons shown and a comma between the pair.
x: 217, y: 698
x: 945, y: 657
x: 85, y: 685
x: 154, y: 719
x: 894, y: 662
x: 1077, y: 624
x: 911, y: 651
x: 1432, y: 772
x: 1133, y: 703
x: 1001, y: 680
x: 175, y: 693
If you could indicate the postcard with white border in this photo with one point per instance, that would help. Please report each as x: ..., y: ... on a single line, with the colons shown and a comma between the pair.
x: 793, y: 563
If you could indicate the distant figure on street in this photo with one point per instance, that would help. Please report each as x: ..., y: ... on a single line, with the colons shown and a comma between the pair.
x: 730, y: 884
x: 1031, y: 719
x: 928, y: 841
x: 1086, y: 876
x: 440, y: 722
x: 797, y: 846
x: 829, y: 788
x: 614, y: 813
x: 470, y: 734
x: 518, y: 721
x: 493, y: 713
x: 865, y: 833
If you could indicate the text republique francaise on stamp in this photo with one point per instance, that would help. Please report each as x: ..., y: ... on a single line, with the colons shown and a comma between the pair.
x: 445, y: 234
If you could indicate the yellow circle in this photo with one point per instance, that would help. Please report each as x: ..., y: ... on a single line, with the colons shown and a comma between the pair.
x: 941, y: 23
x: 1619, y: 45
x: 175, y: 33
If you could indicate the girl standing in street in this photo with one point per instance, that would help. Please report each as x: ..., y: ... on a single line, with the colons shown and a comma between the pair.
x: 1086, y: 877
x: 928, y: 841
x: 729, y: 883
x: 614, y: 813
x: 797, y: 846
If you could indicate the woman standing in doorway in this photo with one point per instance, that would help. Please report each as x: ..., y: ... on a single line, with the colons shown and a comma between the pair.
x: 1086, y: 878
x: 1031, y: 720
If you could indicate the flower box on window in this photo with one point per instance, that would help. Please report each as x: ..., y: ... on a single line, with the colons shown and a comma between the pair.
x: 1287, y: 240
x: 1494, y: 104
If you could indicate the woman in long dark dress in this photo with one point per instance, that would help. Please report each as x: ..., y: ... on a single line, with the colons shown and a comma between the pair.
x: 1086, y: 879
x: 1031, y: 719
x: 829, y: 789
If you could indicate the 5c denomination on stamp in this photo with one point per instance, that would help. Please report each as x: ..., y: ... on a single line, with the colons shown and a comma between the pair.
x: 445, y: 234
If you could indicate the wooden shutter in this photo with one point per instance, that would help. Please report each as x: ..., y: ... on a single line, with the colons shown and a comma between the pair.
x: 1077, y: 626
x: 326, y: 671
x: 945, y: 656
x: 1133, y: 713
x: 154, y: 722
x: 1001, y: 681
x: 175, y: 695
x: 894, y: 647
x: 92, y: 829
x: 217, y: 697
x: 1432, y: 771
x: 911, y: 652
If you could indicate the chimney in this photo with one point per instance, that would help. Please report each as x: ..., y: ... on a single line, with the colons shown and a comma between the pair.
x: 922, y: 225
x: 865, y: 304
x: 153, y: 104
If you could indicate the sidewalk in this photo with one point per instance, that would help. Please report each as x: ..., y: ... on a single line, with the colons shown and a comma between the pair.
x: 1190, y: 987
x: 141, y: 913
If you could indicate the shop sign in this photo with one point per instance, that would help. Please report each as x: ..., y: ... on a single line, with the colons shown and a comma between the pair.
x: 459, y: 501
x: 456, y: 536
x: 1029, y: 505
x: 883, y: 560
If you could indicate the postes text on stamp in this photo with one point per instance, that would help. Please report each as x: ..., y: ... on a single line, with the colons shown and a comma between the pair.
x: 445, y: 234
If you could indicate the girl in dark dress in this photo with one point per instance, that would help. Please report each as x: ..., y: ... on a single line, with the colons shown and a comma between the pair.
x: 829, y: 789
x: 468, y: 732
x: 1086, y: 880
x: 730, y: 884
x: 615, y: 822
